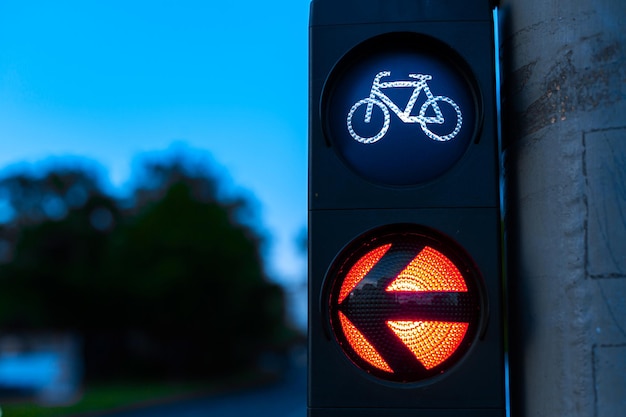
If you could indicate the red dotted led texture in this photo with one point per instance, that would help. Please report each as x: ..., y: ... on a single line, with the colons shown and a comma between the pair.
x: 403, y: 310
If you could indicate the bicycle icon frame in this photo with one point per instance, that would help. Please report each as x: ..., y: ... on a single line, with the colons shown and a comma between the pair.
x: 380, y: 99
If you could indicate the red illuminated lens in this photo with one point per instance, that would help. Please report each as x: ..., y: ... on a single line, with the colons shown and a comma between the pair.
x: 432, y: 342
x: 430, y: 270
x: 361, y: 346
x: 360, y: 269
x: 404, y: 309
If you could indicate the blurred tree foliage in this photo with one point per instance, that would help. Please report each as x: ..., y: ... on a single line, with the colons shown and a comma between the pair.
x: 170, y: 283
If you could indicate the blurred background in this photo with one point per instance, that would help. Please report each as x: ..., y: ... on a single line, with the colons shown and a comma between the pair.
x: 152, y: 203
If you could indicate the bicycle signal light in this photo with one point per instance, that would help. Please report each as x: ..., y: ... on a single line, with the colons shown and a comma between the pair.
x: 400, y: 99
x: 404, y: 303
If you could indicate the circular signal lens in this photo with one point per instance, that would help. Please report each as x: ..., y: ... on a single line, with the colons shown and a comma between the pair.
x: 401, y: 109
x: 404, y: 303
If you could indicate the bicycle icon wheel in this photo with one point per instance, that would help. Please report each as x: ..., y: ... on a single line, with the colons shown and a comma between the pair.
x: 367, y: 119
x: 439, y: 118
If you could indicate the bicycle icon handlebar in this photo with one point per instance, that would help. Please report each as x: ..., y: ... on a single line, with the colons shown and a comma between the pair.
x: 380, y: 99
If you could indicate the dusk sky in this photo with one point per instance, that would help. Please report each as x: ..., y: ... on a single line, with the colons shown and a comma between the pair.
x: 113, y: 80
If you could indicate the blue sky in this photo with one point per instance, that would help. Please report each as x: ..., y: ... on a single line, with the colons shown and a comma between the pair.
x: 111, y: 80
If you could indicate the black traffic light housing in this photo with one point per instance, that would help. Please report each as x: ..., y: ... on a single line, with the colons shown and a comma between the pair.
x: 440, y: 175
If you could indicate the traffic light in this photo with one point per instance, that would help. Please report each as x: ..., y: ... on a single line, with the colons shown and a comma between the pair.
x: 405, y: 283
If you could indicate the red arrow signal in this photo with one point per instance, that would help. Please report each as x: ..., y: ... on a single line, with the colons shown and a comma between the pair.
x: 405, y: 308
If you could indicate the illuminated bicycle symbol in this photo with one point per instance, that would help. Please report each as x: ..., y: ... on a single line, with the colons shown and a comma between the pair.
x: 378, y: 98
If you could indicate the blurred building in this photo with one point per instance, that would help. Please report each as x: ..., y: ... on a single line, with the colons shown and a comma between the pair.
x: 41, y: 367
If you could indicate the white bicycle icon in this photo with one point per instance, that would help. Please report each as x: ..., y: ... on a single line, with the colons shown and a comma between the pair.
x: 378, y: 98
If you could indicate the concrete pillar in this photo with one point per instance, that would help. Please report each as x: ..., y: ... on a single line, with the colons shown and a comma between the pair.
x: 564, y: 98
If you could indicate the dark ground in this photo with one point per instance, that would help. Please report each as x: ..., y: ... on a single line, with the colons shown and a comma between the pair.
x: 283, y: 398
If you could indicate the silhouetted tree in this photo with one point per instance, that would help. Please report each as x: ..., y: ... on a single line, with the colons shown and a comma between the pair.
x: 170, y: 284
x: 190, y: 276
x: 56, y: 239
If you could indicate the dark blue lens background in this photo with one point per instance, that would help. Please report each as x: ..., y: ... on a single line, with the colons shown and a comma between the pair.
x: 405, y: 155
